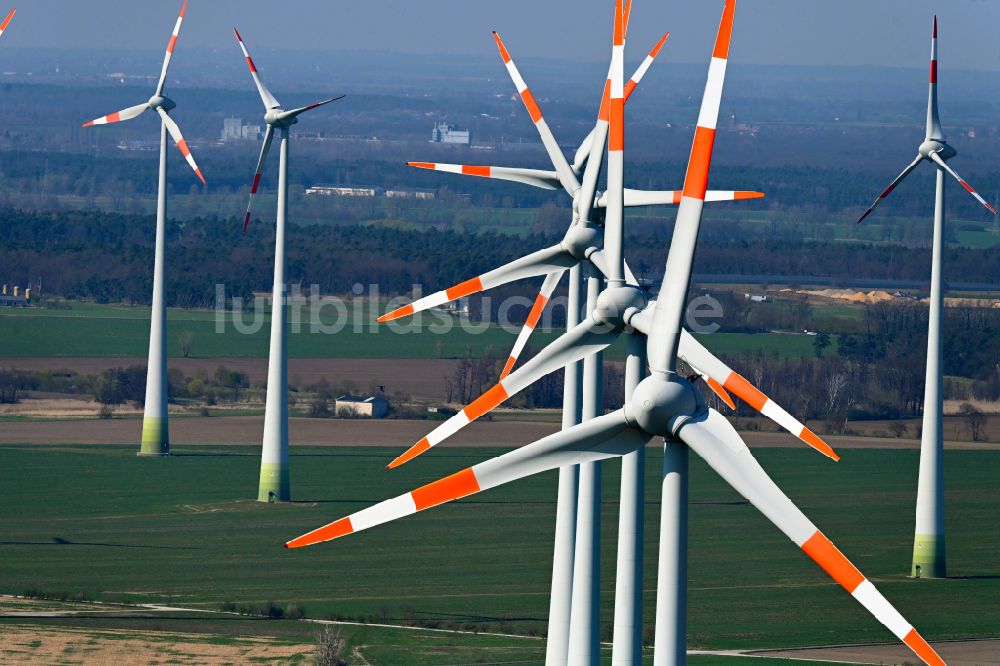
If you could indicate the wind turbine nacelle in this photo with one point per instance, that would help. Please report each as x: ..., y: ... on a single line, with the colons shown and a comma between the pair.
x: 581, y: 240
x: 161, y: 102
x: 661, y: 406
x: 617, y: 305
x: 279, y: 118
x: 931, y: 146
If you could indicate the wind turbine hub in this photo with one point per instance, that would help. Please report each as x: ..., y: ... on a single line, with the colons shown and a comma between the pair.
x: 279, y: 118
x: 661, y: 406
x: 161, y: 102
x: 581, y: 240
x: 943, y: 150
x: 616, y: 305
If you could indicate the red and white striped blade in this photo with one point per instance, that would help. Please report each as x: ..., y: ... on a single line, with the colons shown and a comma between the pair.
x: 170, y: 50
x: 713, y: 438
x: 544, y: 294
x: 887, y: 191
x: 265, y: 95
x: 583, y: 340
x: 268, y: 136
x: 6, y: 21
x: 546, y: 180
x: 175, y: 132
x: 961, y: 181
x: 566, y: 175
x: 706, y: 363
x: 635, y: 198
x: 542, y: 262
x: 598, y: 439
x: 933, y: 121
x: 118, y: 116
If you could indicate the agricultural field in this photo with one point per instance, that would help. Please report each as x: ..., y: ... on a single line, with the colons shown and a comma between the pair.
x: 96, y: 523
x: 89, y: 330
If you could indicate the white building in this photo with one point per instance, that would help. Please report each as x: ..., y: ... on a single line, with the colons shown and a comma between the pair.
x: 445, y: 133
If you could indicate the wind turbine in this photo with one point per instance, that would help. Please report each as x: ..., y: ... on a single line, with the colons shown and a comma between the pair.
x: 274, y: 480
x: 929, y: 539
x: 155, y: 433
x: 576, y: 512
x: 664, y: 404
x: 6, y: 21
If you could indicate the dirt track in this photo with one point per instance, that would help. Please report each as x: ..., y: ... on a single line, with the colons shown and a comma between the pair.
x: 956, y: 653
x: 418, y: 377
x: 506, y: 431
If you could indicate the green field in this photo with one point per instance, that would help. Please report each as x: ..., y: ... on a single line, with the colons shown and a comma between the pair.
x: 88, y: 330
x: 100, y: 522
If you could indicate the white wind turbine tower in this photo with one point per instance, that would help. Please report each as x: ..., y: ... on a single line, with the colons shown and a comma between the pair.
x: 274, y: 479
x: 664, y: 404
x: 155, y: 433
x: 929, y: 538
x: 572, y: 613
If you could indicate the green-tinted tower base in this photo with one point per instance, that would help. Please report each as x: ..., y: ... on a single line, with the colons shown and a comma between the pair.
x: 928, y: 557
x: 155, y: 437
x: 274, y: 483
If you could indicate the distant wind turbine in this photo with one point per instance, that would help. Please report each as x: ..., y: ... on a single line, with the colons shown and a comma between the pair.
x: 155, y: 433
x: 274, y: 479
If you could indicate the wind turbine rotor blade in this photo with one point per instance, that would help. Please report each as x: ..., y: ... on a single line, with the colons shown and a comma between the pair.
x: 887, y: 191
x: 604, y: 437
x: 641, y: 71
x: 170, y: 50
x: 265, y: 95
x: 544, y: 294
x: 583, y: 151
x: 707, y: 364
x: 614, y: 232
x: 961, y: 181
x: 268, y: 136
x: 175, y: 132
x: 294, y: 113
x: 634, y: 198
x: 566, y: 175
x: 933, y: 121
x: 118, y: 116
x: 713, y: 438
x: 585, y: 339
x: 546, y: 180
x: 6, y: 21
x: 670, y: 304
x: 542, y: 262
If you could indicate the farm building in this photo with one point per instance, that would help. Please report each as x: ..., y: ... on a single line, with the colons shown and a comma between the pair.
x: 375, y: 407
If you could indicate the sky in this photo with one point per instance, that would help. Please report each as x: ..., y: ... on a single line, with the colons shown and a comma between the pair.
x: 783, y: 32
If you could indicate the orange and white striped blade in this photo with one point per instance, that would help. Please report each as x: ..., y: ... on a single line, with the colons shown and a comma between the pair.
x: 705, y: 362
x: 546, y: 180
x: 673, y: 197
x: 566, y: 175
x: 583, y: 340
x: 6, y: 21
x: 719, y: 390
x: 118, y: 116
x: 293, y: 113
x: 265, y: 95
x: 604, y: 437
x: 887, y: 191
x: 268, y: 136
x: 550, y: 284
x: 170, y: 50
x: 542, y: 262
x: 713, y: 438
x: 583, y: 151
x: 614, y: 232
x: 961, y: 181
x: 175, y: 132
x: 644, y: 66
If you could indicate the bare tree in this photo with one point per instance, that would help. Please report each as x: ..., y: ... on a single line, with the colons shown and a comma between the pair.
x: 975, y: 419
x: 186, y: 340
x: 330, y: 648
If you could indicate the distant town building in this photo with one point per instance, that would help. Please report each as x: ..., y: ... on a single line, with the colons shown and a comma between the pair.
x: 410, y: 194
x: 445, y: 133
x: 341, y: 191
x: 233, y: 129
x: 373, y: 407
